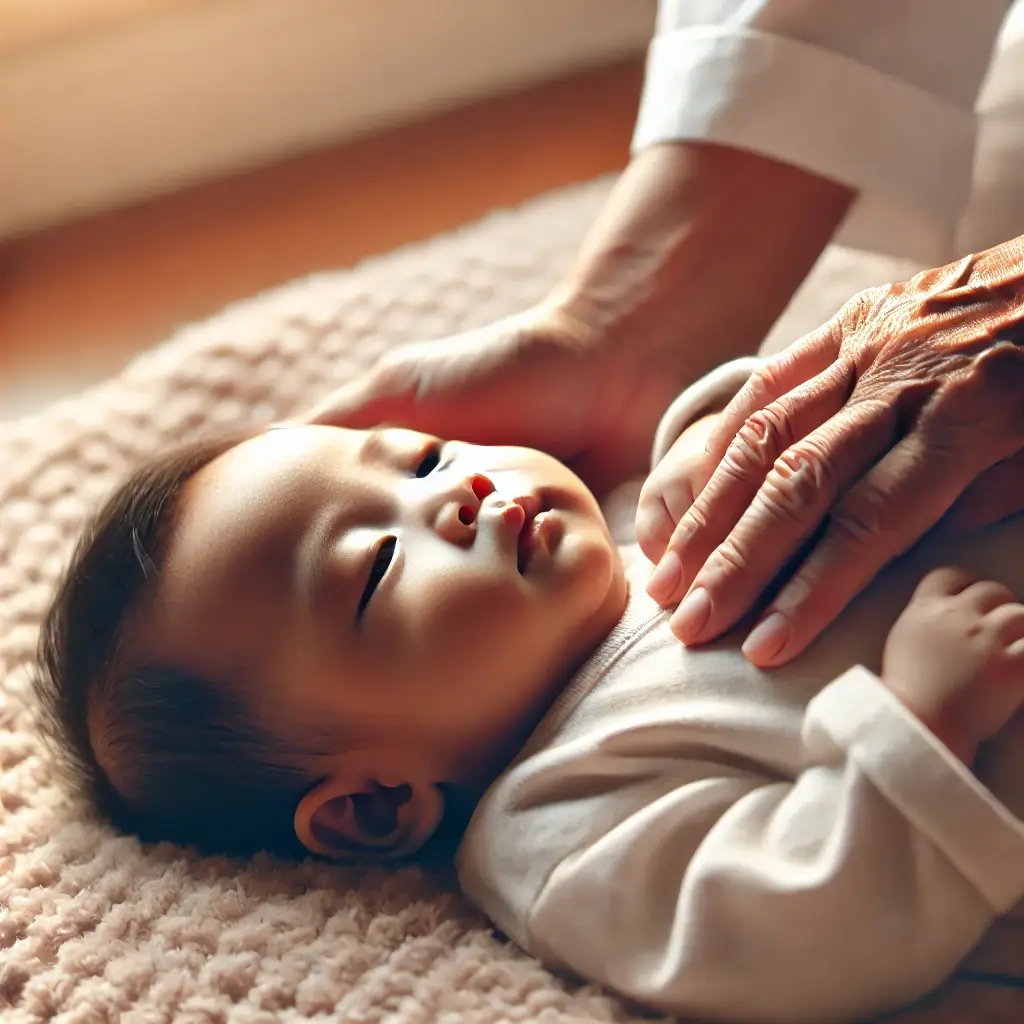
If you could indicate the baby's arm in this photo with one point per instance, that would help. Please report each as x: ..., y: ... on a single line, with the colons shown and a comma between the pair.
x: 955, y: 657
x: 725, y: 893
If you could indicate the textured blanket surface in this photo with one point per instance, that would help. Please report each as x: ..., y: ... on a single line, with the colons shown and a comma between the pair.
x: 94, y: 927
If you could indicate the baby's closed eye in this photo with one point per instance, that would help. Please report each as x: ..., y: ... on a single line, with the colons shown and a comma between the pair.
x: 381, y: 562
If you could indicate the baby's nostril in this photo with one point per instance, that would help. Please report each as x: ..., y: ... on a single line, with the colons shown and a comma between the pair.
x: 466, y: 515
x: 482, y: 486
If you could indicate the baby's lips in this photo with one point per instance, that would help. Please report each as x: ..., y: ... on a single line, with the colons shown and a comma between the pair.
x: 530, y: 504
x: 514, y: 516
x: 542, y: 533
x: 548, y: 529
x: 519, y: 512
x: 517, y: 518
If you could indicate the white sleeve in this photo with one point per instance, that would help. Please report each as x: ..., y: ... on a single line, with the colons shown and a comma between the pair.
x: 848, y: 891
x: 876, y: 94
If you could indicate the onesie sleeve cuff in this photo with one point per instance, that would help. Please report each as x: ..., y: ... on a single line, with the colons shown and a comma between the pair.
x: 925, y: 782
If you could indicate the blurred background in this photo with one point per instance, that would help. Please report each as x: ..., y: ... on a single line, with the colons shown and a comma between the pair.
x: 161, y: 158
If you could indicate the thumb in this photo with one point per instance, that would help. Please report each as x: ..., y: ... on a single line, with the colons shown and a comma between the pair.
x: 382, y: 393
x: 350, y: 405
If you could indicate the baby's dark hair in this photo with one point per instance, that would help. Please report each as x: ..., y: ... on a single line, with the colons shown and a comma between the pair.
x: 185, y: 759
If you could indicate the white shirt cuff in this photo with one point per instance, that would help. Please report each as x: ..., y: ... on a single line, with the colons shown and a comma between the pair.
x: 907, y: 152
x: 922, y: 779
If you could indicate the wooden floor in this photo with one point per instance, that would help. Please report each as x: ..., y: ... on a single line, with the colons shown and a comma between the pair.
x: 78, y: 300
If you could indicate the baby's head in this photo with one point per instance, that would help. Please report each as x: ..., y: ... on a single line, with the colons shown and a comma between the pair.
x: 318, y: 639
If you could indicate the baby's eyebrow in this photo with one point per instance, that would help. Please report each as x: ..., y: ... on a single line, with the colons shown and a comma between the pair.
x: 374, y: 445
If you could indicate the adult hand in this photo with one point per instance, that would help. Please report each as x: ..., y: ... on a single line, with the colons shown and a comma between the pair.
x: 649, y: 305
x: 871, y: 429
x: 539, y: 379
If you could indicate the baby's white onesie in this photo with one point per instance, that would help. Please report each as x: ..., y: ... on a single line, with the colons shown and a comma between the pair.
x: 721, y: 842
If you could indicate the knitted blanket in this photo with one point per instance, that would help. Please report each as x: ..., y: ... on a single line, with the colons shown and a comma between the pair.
x: 93, y: 926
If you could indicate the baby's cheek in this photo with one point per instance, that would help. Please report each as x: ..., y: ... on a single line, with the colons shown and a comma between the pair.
x: 456, y: 603
x: 482, y: 600
x: 585, y: 562
x: 476, y: 629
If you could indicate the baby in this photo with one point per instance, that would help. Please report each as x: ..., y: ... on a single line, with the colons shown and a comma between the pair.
x: 351, y: 643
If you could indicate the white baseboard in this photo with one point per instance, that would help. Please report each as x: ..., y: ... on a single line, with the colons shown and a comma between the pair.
x: 138, y: 106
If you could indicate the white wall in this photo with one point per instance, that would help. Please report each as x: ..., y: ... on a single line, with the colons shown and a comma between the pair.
x: 138, y: 106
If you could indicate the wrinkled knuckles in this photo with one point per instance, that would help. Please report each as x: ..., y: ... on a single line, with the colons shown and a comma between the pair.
x: 859, y: 519
x: 694, y: 522
x: 743, y: 461
x: 797, y: 483
x: 805, y: 472
x: 763, y: 385
x: 856, y: 311
x: 777, y: 506
x: 727, y: 562
x: 753, y: 449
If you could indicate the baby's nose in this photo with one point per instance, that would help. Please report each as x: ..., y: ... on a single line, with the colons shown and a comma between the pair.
x: 456, y: 518
x: 476, y: 487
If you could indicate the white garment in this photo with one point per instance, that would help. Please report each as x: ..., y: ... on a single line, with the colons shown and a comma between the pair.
x: 721, y: 842
x: 876, y: 94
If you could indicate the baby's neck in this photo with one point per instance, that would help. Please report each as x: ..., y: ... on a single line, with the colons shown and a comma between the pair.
x: 581, y: 647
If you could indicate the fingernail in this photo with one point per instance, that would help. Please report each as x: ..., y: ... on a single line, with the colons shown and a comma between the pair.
x: 768, y: 638
x: 666, y: 576
x: 692, y: 614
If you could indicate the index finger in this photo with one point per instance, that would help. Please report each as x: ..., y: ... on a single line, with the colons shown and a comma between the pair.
x: 800, y: 362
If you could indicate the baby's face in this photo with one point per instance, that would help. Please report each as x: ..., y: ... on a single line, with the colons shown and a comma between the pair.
x: 429, y: 597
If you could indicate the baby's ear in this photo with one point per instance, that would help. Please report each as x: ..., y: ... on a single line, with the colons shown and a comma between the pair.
x: 378, y: 822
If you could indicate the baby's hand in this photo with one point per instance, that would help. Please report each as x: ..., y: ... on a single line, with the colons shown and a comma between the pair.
x: 669, y: 491
x: 955, y: 657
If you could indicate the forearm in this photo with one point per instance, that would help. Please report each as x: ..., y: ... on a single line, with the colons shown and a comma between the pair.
x: 697, y: 252
x: 760, y: 875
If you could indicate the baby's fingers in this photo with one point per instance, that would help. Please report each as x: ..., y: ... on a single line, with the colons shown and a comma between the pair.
x: 669, y: 490
x: 662, y: 504
x: 1007, y: 622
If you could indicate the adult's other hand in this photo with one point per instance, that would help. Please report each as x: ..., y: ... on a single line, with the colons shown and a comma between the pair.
x: 908, y: 403
x: 649, y: 305
x: 539, y: 379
